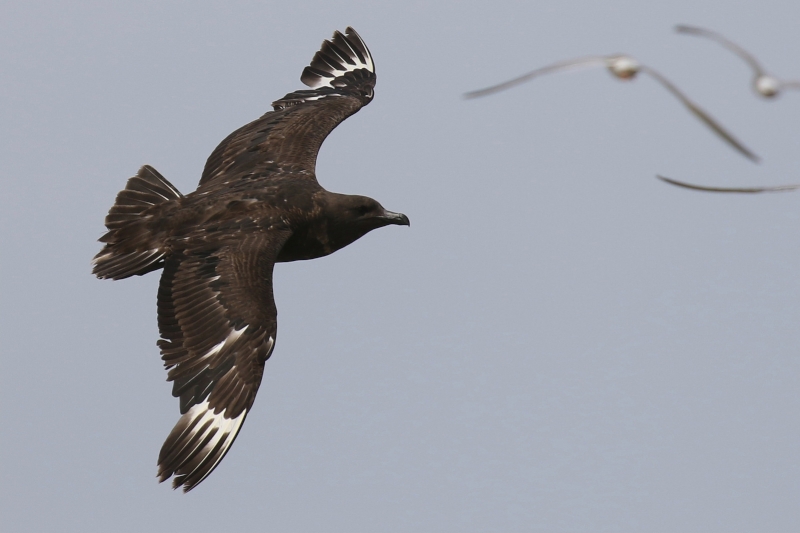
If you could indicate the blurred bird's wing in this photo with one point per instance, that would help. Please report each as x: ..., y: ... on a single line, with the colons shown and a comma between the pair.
x: 555, y: 67
x: 777, y: 188
x: 730, y: 45
x: 701, y: 114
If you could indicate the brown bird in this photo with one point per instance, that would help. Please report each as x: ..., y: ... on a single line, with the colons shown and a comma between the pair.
x: 623, y: 67
x: 764, y: 84
x: 258, y: 203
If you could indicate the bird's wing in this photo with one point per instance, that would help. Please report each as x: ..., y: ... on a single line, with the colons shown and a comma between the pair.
x: 218, y: 323
x: 555, y: 67
x: 758, y: 70
x: 341, y: 76
x: 776, y: 188
x: 702, y: 115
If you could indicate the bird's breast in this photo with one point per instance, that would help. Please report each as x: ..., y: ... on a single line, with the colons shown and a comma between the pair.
x: 308, y: 241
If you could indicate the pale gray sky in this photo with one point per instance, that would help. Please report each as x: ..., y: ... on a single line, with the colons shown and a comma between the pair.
x: 559, y: 342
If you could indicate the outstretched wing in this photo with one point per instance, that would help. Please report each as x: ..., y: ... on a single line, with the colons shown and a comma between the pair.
x: 749, y: 58
x: 218, y: 323
x: 341, y: 76
x: 553, y: 67
x: 774, y: 188
x: 704, y: 116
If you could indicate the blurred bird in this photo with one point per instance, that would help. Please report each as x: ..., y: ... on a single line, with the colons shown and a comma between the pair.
x: 625, y: 68
x: 775, y: 188
x: 764, y: 84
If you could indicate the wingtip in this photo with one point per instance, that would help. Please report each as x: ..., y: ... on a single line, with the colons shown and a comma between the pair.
x: 342, y: 53
x: 684, y: 185
x: 196, y: 445
x: 742, y: 149
x: 348, y: 31
x: 178, y: 481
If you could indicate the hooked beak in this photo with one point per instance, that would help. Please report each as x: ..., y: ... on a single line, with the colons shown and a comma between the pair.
x: 398, y: 219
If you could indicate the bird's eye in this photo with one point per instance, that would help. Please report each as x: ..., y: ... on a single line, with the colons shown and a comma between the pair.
x: 363, y: 210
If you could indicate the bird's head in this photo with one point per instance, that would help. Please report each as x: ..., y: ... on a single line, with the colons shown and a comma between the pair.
x: 365, y: 213
x: 767, y: 86
x: 350, y: 217
x: 623, y: 67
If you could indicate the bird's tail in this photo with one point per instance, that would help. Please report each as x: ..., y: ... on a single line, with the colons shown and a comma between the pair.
x: 131, y: 248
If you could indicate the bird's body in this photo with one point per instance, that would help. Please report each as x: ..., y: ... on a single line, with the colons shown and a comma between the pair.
x: 282, y: 203
x: 258, y: 203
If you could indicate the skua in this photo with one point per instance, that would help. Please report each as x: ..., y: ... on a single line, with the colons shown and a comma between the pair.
x: 258, y: 203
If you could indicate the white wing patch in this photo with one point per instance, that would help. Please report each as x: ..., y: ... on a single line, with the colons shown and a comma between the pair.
x: 232, y: 337
x: 202, y: 437
x: 342, y: 54
x: 207, y: 437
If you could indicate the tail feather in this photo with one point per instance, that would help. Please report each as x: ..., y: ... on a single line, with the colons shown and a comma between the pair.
x: 129, y: 248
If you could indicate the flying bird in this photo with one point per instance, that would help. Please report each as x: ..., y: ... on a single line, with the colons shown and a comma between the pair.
x: 258, y: 203
x: 625, y: 68
x: 764, y: 84
x: 774, y: 188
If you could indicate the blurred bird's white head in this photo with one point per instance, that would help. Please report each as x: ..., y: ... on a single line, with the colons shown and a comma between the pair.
x: 623, y: 67
x: 767, y: 86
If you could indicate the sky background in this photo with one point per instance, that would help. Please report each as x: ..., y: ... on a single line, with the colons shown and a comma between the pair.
x: 558, y: 342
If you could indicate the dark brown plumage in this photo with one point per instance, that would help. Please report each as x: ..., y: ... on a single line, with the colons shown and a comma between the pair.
x: 258, y: 202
